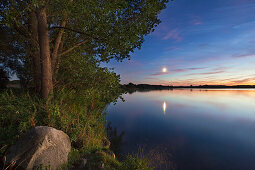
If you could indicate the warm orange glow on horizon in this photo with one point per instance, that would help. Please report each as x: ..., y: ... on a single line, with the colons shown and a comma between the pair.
x: 198, y: 83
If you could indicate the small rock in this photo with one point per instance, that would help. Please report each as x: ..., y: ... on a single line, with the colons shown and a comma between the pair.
x: 41, y: 146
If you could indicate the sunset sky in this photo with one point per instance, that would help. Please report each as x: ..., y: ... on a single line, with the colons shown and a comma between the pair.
x: 198, y: 42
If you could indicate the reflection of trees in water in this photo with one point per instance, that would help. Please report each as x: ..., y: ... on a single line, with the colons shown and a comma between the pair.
x: 115, y: 139
x: 159, y: 156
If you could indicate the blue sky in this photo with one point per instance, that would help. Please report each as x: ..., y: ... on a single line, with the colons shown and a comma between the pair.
x: 199, y: 42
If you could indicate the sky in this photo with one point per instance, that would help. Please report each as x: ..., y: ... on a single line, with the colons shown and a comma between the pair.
x: 198, y: 42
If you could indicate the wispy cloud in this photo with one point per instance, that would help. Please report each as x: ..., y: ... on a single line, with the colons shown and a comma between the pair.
x: 160, y: 73
x: 244, y: 56
x: 245, y: 80
x: 177, y: 71
x: 174, y: 35
x: 195, y: 20
x: 173, y: 48
x: 154, y: 80
x: 207, y: 73
x: 187, y: 69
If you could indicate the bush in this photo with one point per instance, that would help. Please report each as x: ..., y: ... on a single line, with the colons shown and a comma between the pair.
x: 19, y: 112
x: 137, y: 161
x: 85, y: 127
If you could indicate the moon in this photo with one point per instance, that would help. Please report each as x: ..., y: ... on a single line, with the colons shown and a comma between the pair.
x: 164, y: 69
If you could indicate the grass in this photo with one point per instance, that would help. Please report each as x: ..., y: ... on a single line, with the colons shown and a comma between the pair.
x: 82, y: 119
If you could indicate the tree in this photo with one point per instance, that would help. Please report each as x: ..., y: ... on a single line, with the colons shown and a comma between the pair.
x: 3, y: 79
x: 47, y: 31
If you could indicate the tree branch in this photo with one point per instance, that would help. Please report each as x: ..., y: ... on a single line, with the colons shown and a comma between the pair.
x: 57, y: 43
x: 58, y: 40
x: 75, y: 46
x: 73, y: 30
x: 24, y: 33
x: 69, y: 29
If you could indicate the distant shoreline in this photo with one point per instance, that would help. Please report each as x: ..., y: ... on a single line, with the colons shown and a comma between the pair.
x: 144, y: 87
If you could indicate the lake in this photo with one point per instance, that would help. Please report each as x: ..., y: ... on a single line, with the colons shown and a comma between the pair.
x: 187, y: 129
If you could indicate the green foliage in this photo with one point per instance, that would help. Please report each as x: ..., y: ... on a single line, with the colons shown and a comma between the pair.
x: 76, y: 107
x: 111, y: 29
x: 98, y: 157
x: 15, y: 53
x: 84, y: 125
x: 17, y: 114
x: 136, y: 162
x: 83, y: 76
x: 20, y: 111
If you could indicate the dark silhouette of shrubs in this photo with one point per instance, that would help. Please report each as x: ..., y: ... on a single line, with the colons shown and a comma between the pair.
x: 3, y: 79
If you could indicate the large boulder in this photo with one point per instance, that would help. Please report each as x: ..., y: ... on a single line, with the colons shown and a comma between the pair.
x: 40, y: 146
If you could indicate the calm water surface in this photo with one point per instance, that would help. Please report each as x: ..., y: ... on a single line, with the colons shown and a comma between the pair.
x: 190, y: 129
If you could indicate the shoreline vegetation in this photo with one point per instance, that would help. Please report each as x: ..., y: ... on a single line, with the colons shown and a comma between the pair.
x: 82, y: 120
x: 147, y: 87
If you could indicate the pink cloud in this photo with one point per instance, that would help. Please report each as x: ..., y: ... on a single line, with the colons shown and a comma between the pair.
x: 195, y: 20
x: 245, y: 80
x: 207, y: 73
x: 174, y: 35
x: 187, y: 69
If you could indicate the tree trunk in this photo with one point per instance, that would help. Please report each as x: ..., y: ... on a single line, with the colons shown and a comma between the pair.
x: 43, y: 37
x: 57, y: 63
x: 35, y: 52
x: 58, y: 41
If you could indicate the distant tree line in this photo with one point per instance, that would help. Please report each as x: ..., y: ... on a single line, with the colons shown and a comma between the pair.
x: 130, y: 87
